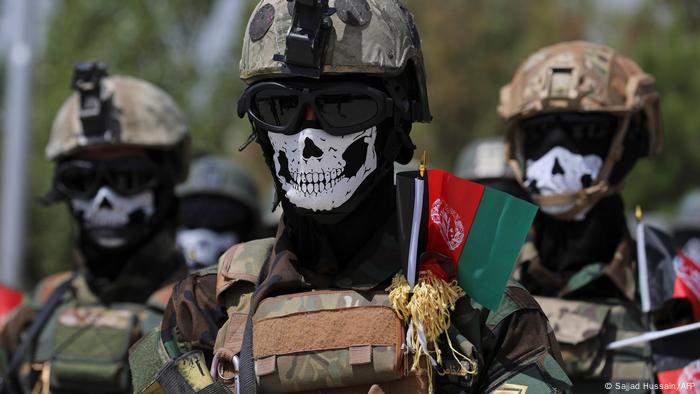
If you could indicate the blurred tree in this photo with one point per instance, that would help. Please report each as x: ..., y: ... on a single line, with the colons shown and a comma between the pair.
x: 471, y: 49
x: 664, y: 38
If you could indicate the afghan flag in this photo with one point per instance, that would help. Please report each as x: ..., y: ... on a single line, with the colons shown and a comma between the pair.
x: 9, y: 300
x: 479, y: 229
x: 687, y: 285
x: 677, y: 364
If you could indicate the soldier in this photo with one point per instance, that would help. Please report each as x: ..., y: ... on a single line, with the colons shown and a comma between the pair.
x: 579, y: 116
x: 483, y: 161
x: 218, y: 208
x: 332, y: 109
x: 120, y: 145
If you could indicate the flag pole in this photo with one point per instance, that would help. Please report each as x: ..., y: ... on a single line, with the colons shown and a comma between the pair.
x: 653, y: 336
x: 415, y: 224
x: 642, y: 262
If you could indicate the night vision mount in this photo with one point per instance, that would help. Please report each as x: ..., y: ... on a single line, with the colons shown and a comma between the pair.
x: 307, y: 37
x: 95, y: 104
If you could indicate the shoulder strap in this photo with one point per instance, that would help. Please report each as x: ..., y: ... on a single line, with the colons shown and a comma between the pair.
x: 48, y: 285
x: 35, y: 328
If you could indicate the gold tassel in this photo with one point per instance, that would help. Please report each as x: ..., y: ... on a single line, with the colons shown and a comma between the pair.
x: 429, y: 306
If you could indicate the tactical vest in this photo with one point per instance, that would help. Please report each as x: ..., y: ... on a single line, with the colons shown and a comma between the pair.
x: 584, y: 328
x: 342, y: 341
x: 84, y: 345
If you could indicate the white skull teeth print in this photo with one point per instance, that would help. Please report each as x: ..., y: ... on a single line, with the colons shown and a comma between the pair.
x: 319, y: 171
x: 560, y: 171
x: 108, y: 209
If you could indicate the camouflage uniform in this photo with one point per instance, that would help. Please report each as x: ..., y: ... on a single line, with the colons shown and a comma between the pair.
x: 514, y: 346
x: 589, y: 299
x: 272, y: 310
x: 83, y: 345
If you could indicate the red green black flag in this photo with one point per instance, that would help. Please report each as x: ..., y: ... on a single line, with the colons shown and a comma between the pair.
x: 479, y: 229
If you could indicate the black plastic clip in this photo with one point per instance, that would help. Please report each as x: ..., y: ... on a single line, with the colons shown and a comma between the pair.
x: 307, y: 37
x: 94, y: 110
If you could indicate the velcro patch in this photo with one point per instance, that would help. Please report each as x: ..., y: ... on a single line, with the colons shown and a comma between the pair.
x: 326, y: 329
x: 96, y: 317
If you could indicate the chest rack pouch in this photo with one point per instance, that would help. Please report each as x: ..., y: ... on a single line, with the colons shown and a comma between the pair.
x: 330, y: 340
x: 90, y: 349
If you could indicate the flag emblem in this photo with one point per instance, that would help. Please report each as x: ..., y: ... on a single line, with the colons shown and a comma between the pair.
x: 449, y: 222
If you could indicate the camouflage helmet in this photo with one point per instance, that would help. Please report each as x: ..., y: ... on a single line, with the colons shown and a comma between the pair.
x: 369, y: 37
x: 483, y: 159
x: 579, y: 76
x: 134, y: 113
x: 221, y: 177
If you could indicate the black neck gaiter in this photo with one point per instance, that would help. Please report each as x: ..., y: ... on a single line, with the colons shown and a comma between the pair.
x: 325, y: 249
x: 133, y: 275
x: 567, y: 246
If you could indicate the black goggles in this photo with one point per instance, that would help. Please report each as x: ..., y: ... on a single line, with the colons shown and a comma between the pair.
x: 126, y: 176
x: 340, y: 108
x: 579, y: 127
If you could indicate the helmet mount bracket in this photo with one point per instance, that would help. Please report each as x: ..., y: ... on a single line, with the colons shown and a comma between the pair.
x: 307, y: 38
x: 95, y: 108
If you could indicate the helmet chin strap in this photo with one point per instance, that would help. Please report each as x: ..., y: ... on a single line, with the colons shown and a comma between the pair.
x: 585, y: 198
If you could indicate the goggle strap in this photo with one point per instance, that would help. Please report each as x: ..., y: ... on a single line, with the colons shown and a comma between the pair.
x: 252, y: 137
x: 408, y: 108
x: 396, y: 139
x: 51, y: 197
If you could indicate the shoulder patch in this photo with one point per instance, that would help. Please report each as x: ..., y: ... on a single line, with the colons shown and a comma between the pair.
x: 242, y: 262
x: 262, y: 20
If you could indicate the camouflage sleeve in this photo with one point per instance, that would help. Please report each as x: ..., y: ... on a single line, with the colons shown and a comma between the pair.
x: 519, y: 348
x: 190, y: 323
x: 193, y: 317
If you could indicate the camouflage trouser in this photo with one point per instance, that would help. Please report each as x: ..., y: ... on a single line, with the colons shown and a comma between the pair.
x: 584, y: 329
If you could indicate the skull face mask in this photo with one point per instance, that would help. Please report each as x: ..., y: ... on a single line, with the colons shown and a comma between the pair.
x: 112, y: 220
x: 202, y: 247
x: 319, y: 171
x: 564, y: 154
x: 560, y: 171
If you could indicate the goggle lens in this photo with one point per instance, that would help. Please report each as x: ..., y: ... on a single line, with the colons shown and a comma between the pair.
x: 276, y: 107
x: 77, y: 180
x: 82, y: 179
x: 346, y: 110
x: 340, y: 108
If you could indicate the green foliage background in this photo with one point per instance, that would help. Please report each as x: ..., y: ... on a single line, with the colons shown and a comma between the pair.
x: 471, y: 50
